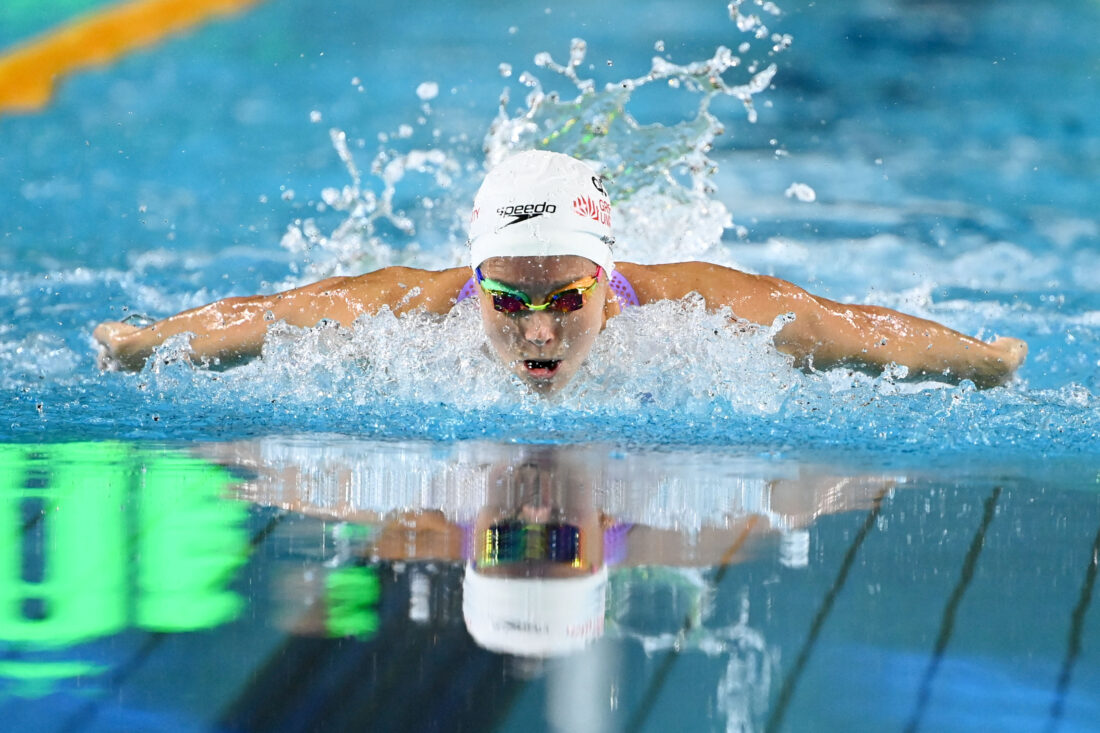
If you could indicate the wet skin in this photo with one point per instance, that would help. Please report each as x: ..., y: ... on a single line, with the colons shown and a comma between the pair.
x: 824, y: 333
x: 543, y: 348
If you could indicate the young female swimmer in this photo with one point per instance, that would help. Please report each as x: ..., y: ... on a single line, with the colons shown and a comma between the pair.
x: 545, y: 283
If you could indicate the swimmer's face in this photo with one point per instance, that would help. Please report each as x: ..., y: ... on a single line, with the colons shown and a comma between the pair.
x: 544, y: 348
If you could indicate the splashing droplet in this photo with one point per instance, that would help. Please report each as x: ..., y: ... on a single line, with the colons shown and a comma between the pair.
x: 802, y: 192
x: 427, y: 90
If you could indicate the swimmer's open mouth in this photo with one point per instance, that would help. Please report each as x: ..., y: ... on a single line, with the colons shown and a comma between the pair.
x: 538, y: 368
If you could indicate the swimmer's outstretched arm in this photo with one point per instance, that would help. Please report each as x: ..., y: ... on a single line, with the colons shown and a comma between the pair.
x: 828, y: 334
x: 235, y: 328
x: 834, y: 334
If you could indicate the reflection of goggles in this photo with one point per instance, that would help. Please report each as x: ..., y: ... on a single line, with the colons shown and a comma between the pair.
x: 507, y: 299
x: 513, y: 541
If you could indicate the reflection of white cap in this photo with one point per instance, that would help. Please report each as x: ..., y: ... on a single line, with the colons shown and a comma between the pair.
x: 539, y: 204
x: 534, y: 617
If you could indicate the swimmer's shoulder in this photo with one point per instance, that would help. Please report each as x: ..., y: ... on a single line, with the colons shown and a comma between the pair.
x: 403, y: 289
x: 676, y: 280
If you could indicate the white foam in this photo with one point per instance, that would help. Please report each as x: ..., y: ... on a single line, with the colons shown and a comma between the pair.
x: 27, y: 361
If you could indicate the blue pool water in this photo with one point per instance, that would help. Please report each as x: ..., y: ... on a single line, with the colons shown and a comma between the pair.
x: 951, y: 151
x: 923, y: 555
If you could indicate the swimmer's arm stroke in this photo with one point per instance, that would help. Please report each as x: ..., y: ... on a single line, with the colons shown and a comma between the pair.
x: 234, y: 329
x: 826, y: 334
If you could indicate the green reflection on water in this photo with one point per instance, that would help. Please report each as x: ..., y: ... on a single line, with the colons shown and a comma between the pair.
x: 352, y: 593
x: 192, y: 544
x: 97, y: 538
x: 82, y: 534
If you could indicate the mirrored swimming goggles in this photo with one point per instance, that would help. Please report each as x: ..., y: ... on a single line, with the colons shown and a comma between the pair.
x: 507, y: 299
x: 513, y: 541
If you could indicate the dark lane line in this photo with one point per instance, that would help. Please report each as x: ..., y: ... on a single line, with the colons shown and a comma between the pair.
x: 1077, y: 628
x: 786, y: 692
x: 947, y: 625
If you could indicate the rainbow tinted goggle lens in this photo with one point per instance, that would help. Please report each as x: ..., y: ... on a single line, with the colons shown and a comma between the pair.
x: 517, y: 542
x: 507, y: 299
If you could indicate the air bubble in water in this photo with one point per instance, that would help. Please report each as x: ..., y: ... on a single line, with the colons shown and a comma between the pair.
x: 505, y: 70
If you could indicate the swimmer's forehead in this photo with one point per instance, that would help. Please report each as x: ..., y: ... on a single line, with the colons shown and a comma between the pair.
x: 542, y: 272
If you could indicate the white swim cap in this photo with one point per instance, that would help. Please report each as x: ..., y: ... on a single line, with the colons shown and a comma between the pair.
x: 534, y: 617
x: 539, y: 204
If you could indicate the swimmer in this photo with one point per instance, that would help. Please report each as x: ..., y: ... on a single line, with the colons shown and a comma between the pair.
x: 545, y: 281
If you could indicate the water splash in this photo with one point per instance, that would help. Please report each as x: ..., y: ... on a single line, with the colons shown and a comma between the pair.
x: 29, y: 360
x: 367, y: 239
x: 434, y: 377
x: 401, y: 364
x: 661, y: 174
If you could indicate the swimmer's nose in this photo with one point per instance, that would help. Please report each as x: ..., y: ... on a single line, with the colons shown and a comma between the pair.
x: 538, y: 328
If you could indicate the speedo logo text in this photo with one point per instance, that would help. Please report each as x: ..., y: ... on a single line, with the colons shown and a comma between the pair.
x: 523, y: 212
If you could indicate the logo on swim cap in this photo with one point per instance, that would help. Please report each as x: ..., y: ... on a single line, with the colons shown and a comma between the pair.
x: 589, y: 209
x: 542, y: 204
x: 523, y: 212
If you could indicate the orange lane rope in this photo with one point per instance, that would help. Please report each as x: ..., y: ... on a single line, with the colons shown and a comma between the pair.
x: 28, y: 72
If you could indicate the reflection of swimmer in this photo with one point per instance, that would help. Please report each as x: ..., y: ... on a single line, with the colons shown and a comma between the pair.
x: 536, y: 552
x: 536, y: 581
x: 546, y: 283
x: 539, y: 529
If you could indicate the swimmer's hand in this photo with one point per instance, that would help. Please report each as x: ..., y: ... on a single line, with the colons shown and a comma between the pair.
x: 116, y: 347
x: 1007, y: 354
